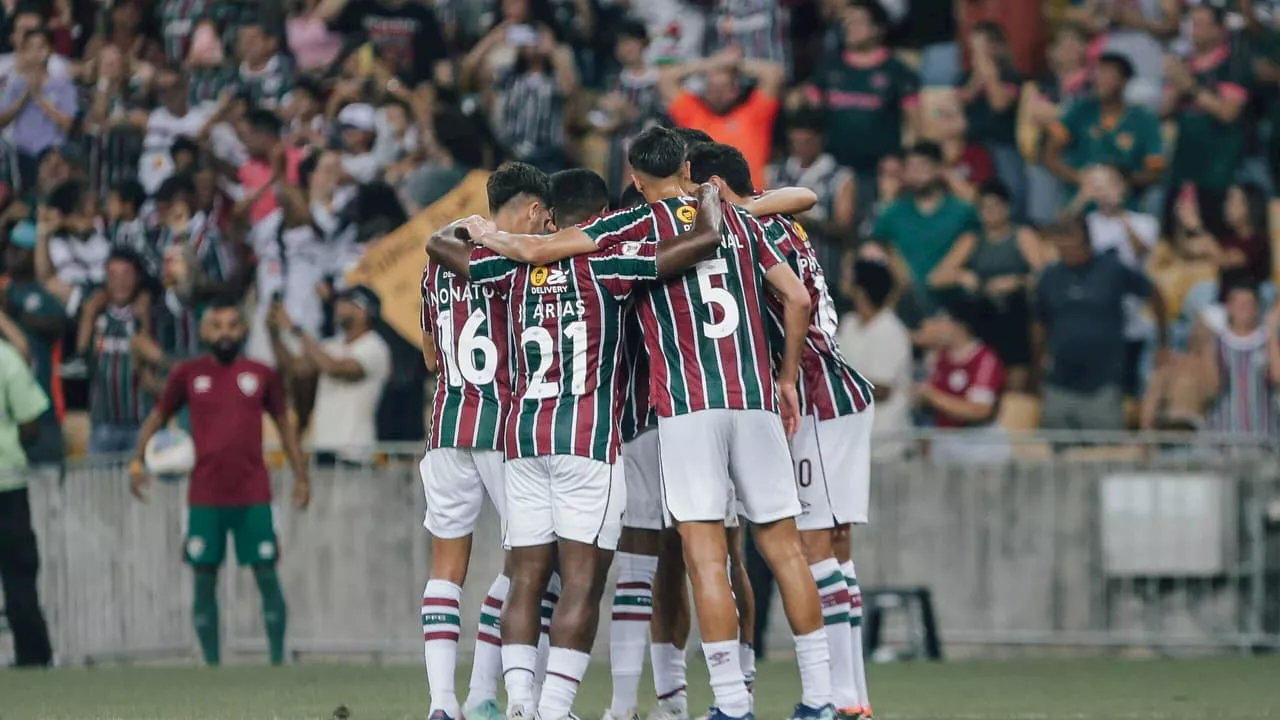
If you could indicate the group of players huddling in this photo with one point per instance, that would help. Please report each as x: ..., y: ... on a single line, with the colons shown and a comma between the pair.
x: 635, y: 381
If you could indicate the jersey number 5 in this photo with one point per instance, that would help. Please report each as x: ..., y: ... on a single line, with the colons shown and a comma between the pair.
x: 460, y: 362
x: 719, y: 297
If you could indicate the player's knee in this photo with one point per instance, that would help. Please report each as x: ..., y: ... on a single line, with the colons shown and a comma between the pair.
x: 816, y: 545
x: 779, y: 542
x: 449, y: 559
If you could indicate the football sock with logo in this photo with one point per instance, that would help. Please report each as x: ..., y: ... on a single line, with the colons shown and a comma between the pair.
x: 274, y: 614
x: 814, y: 660
x: 486, y: 665
x: 855, y: 624
x: 629, y: 627
x: 835, y: 615
x: 727, y: 686
x: 565, y: 670
x: 441, y: 627
x: 669, y: 681
x: 204, y: 614
x: 517, y: 671
x: 549, y: 600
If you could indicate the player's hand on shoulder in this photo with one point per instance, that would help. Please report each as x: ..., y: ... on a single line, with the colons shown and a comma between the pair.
x: 474, y: 228
x: 301, y: 491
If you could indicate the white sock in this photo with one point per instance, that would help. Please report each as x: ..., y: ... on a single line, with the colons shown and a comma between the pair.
x: 565, y: 670
x: 747, y: 659
x: 486, y: 666
x: 855, y: 624
x: 441, y: 627
x: 669, y: 682
x: 549, y: 600
x: 517, y: 671
x: 814, y: 661
x: 629, y: 627
x: 835, y: 615
x: 727, y: 685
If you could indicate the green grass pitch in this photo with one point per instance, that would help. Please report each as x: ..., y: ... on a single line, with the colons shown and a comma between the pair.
x: 1029, y: 690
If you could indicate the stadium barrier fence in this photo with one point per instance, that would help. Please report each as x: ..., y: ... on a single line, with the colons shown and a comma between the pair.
x: 1028, y: 544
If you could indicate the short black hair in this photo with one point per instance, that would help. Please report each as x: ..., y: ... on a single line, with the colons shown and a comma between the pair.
x: 309, y: 85
x: 514, y: 179
x: 964, y: 310
x: 182, y: 143
x: 1219, y: 12
x: 996, y: 188
x: 875, y: 280
x: 1069, y: 225
x: 1237, y: 279
x: 724, y: 161
x: 879, y: 16
x: 130, y: 192
x: 225, y: 301
x: 1120, y: 62
x: 124, y: 254
x: 577, y: 195
x: 630, y: 197
x: 631, y: 29
x: 66, y: 197
x: 807, y: 118
x: 172, y: 187
x: 925, y: 149
x: 692, y: 138
x: 264, y: 121
x: 42, y: 31
x: 657, y: 152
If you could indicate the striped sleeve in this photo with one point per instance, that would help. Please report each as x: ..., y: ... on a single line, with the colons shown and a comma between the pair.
x: 767, y: 253
x: 626, y: 225
x: 620, y: 266
x: 423, y: 320
x: 490, y: 268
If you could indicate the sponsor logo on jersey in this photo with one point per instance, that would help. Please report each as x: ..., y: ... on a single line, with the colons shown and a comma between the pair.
x: 801, y: 232
x: 202, y: 383
x: 630, y: 248
x: 544, y: 280
x: 248, y: 383
x: 686, y: 214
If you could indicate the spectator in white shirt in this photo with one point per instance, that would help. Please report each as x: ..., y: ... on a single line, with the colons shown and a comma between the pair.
x: 359, y: 124
x: 352, y: 370
x: 878, y: 345
x: 71, y: 254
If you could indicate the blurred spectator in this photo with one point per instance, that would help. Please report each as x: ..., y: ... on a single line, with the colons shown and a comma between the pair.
x: 174, y: 118
x: 875, y: 341
x: 923, y: 224
x: 124, y: 224
x: 38, y: 108
x: 990, y: 95
x: 1240, y: 364
x: 1022, y: 22
x: 964, y: 387
x: 830, y: 224
x: 313, y: 46
x: 758, y: 27
x: 404, y: 34
x: 352, y: 367
x: 1245, y: 248
x: 1067, y: 83
x: 1205, y: 96
x: 931, y: 25
x: 27, y: 17
x: 71, y: 253
x: 730, y: 115
x: 108, y: 324
x: 870, y: 97
x: 23, y: 404
x: 265, y: 75
x: 676, y: 30
x: 457, y: 151
x: 269, y: 161
x: 42, y: 321
x: 632, y: 104
x: 1080, y: 308
x: 1137, y: 29
x: 995, y: 270
x: 1104, y: 130
x: 966, y: 166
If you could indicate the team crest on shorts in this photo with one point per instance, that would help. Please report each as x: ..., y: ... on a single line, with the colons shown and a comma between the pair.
x: 686, y: 214
x: 266, y: 550
x: 248, y: 383
x: 195, y: 547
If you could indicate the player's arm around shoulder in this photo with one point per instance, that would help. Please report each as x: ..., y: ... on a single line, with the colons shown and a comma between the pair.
x: 539, y: 249
x: 452, y: 244
x: 782, y: 201
x: 685, y: 250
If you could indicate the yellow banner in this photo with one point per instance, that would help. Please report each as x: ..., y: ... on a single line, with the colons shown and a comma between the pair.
x: 392, y: 266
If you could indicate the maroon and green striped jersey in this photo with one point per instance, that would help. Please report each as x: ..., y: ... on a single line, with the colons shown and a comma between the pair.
x: 829, y: 387
x: 567, y: 323
x: 468, y: 323
x: 706, y: 332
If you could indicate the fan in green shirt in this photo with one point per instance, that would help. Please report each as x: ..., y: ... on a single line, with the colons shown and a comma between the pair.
x: 22, y: 402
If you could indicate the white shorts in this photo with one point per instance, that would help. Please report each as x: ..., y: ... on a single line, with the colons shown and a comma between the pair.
x: 644, y: 482
x: 708, y: 453
x: 833, y: 470
x: 564, y: 497
x: 455, y: 481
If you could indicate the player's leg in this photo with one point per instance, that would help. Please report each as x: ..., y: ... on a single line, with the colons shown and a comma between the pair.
x: 550, y: 598
x: 531, y: 535
x: 695, y: 486
x: 637, y: 565
x: 842, y: 548
x: 454, y: 494
x: 591, y: 496
x: 486, y: 663
x: 759, y: 458
x: 743, y: 597
x: 205, y: 548
x: 816, y: 525
x: 256, y: 546
x: 669, y: 630
x: 19, y: 565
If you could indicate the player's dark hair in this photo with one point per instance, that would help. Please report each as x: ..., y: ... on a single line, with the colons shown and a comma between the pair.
x: 224, y: 301
x: 264, y: 121
x: 128, y: 255
x: 812, y: 119
x: 172, y: 188
x: 130, y: 193
x: 630, y: 29
x: 723, y: 161
x: 657, y: 152
x: 514, y: 179
x: 630, y: 197
x: 875, y: 280
x: 692, y: 138
x: 879, y: 16
x: 1120, y: 62
x: 577, y: 195
x: 66, y: 197
x: 925, y: 149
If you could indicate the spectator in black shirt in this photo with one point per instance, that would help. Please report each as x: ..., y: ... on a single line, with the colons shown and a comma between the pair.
x: 404, y: 34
